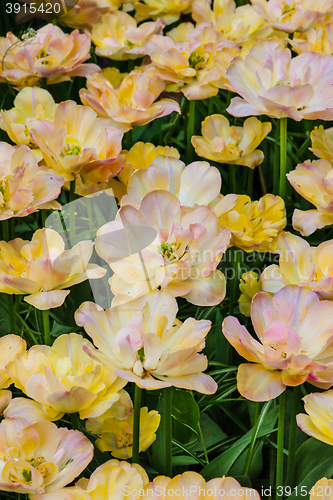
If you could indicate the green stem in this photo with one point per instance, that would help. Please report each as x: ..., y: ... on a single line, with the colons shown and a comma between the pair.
x: 232, y: 297
x: 292, y: 439
x: 232, y: 179
x: 250, y: 182
x: 44, y: 216
x: 256, y: 428
x: 75, y: 421
x: 283, y: 157
x: 136, y: 425
x: 167, y: 395
x: 234, y: 281
x: 72, y: 199
x: 10, y: 298
x: 46, y: 327
x: 276, y: 170
x: 190, y: 131
x: 280, y: 441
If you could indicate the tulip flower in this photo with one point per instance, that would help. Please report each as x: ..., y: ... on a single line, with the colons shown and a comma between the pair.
x: 295, y: 338
x: 120, y: 410
x: 64, y: 379
x: 255, y: 225
x: 189, y: 65
x: 272, y: 83
x: 234, y: 145
x: 77, y: 144
x: 182, y: 258
x: 323, y: 485
x: 40, y: 458
x: 302, y: 265
x: 195, y: 184
x: 5, y: 400
x: 141, y: 155
x: 322, y: 143
x: 46, y: 53
x: 226, y: 487
x: 317, y: 39
x: 42, y: 269
x: 318, y: 421
x: 10, y: 347
x: 29, y: 105
x: 132, y: 103
x: 168, y: 11
x: 238, y: 24
x: 86, y: 13
x: 313, y: 181
x: 290, y: 15
x: 113, y: 479
x: 118, y: 37
x: 24, y: 187
x: 143, y: 342
x: 116, y: 435
x: 249, y: 285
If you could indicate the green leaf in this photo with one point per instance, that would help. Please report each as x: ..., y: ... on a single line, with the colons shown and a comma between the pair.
x: 186, y: 415
x: 310, y: 455
x: 325, y: 469
x: 221, y: 465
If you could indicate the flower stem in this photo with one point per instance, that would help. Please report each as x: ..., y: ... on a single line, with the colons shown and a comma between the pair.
x: 74, y: 421
x: 280, y: 441
x: 167, y: 395
x: 10, y: 298
x: 46, y: 327
x: 190, y: 131
x: 283, y: 157
x: 232, y: 296
x: 256, y: 428
x: 250, y: 182
x: 136, y: 425
x: 292, y: 439
x: 232, y: 179
x: 72, y: 198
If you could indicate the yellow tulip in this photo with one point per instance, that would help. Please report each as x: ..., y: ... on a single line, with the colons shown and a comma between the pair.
x: 168, y: 11
x: 24, y: 186
x: 41, y: 269
x: 313, y: 181
x: 141, y: 155
x: 64, y: 379
x: 132, y: 103
x: 116, y: 435
x: 318, y: 421
x: 40, y: 458
x: 118, y: 37
x: 76, y: 144
x: 255, y: 225
x: 249, y: 285
x: 228, y: 144
x: 46, y: 53
x: 29, y: 105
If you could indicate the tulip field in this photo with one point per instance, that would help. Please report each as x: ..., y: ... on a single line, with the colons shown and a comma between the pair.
x: 166, y: 249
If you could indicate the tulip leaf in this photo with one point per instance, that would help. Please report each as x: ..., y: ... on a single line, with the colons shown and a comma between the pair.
x: 221, y: 465
x: 324, y: 469
x: 309, y: 455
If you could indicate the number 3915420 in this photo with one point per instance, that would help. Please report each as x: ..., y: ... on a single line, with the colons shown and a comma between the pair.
x: 33, y: 8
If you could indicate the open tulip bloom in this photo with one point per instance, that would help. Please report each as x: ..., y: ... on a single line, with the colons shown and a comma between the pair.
x: 295, y: 336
